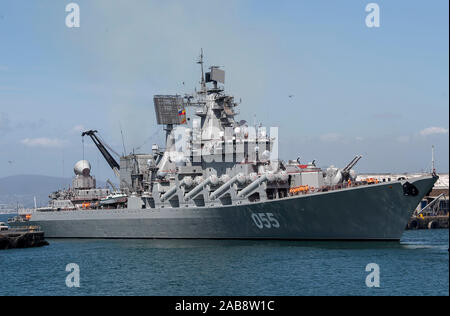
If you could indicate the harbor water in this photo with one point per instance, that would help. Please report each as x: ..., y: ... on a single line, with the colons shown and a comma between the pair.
x: 418, y: 265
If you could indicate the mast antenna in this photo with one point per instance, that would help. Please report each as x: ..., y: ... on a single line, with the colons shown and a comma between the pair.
x: 433, y: 169
x: 201, y: 66
x: 123, y: 141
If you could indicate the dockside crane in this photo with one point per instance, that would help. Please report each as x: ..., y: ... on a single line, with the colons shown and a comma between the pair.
x: 102, y: 147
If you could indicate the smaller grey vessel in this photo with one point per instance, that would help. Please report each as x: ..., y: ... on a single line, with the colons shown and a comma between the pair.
x: 223, y: 181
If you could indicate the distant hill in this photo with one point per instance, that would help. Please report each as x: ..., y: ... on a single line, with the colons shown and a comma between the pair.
x: 23, y: 188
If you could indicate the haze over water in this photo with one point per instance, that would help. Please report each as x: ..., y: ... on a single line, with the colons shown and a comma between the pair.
x: 418, y: 265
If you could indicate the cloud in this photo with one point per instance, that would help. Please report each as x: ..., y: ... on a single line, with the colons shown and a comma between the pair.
x: 433, y: 131
x: 330, y: 137
x: 43, y: 142
x: 359, y: 138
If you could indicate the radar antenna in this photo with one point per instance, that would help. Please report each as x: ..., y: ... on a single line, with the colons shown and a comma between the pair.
x: 200, y: 61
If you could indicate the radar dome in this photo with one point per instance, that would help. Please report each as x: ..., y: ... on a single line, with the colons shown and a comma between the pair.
x: 82, y: 168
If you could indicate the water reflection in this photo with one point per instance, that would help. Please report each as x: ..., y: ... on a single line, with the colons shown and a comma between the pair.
x: 200, y: 243
x: 412, y: 240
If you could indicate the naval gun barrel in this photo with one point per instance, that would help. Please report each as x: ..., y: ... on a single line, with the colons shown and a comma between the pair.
x: 352, y: 164
x: 252, y: 186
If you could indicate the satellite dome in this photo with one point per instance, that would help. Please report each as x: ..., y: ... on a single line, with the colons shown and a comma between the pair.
x: 82, y: 168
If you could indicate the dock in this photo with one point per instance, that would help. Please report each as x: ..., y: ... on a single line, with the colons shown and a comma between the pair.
x: 26, y: 237
x: 428, y: 222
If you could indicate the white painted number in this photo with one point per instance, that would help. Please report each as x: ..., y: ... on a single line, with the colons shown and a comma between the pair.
x: 257, y: 221
x: 273, y: 220
x: 266, y: 220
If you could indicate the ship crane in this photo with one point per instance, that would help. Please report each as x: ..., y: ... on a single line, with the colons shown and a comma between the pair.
x: 102, y: 147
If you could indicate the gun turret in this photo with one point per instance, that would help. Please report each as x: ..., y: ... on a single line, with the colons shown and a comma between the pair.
x: 335, y: 176
x: 351, y: 164
x: 347, y: 172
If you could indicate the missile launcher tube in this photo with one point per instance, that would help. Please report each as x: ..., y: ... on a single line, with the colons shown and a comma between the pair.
x: 252, y: 186
x: 216, y: 194
x: 211, y: 179
x: 171, y: 192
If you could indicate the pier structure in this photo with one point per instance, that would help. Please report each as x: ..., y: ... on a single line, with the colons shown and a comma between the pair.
x: 25, y: 237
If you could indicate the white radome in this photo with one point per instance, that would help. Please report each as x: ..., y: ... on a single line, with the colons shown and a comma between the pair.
x: 82, y: 168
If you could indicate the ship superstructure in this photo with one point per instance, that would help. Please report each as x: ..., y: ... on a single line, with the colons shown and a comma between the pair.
x: 83, y: 194
x: 218, y: 160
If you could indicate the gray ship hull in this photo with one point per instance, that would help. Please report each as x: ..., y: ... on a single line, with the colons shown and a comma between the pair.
x: 371, y: 212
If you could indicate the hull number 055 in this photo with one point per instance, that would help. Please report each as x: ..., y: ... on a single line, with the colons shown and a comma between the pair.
x: 265, y: 220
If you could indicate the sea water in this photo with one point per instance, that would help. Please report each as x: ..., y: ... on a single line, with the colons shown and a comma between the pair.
x: 418, y: 265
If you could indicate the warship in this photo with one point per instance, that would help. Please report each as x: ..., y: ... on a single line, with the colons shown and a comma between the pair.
x: 220, y: 178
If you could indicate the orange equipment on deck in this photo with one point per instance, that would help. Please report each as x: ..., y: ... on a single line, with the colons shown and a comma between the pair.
x: 301, y: 188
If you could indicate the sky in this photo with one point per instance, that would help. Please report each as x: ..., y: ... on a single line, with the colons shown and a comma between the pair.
x: 379, y: 92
